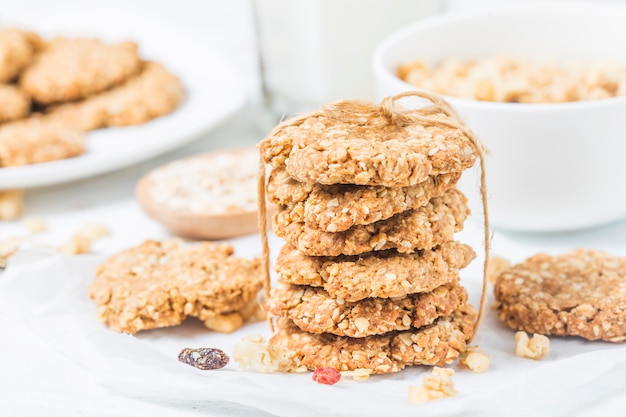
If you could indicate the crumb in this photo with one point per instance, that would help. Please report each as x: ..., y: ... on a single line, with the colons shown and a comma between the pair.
x: 475, y: 359
x: 254, y: 352
x: 359, y: 374
x: 435, y: 386
x: 231, y: 321
x: 11, y: 204
x: 8, y: 247
x: 80, y: 242
x: 92, y: 231
x: 76, y: 245
x: 35, y: 224
x: 497, y: 265
x: 537, y: 347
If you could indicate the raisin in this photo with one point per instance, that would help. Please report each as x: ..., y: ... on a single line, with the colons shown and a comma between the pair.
x: 328, y: 376
x: 204, y: 358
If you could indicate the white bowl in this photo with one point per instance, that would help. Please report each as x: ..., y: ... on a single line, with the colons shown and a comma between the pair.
x: 550, y: 167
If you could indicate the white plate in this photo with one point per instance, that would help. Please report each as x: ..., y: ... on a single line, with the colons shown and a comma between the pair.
x: 213, y: 92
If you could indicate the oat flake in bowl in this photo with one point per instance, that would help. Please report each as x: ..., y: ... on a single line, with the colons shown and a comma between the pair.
x: 208, y: 196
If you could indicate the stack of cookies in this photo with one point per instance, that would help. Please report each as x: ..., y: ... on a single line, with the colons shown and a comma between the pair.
x: 369, y: 274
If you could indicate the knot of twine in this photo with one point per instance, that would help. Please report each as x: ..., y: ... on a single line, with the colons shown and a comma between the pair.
x: 439, y: 114
x: 362, y: 111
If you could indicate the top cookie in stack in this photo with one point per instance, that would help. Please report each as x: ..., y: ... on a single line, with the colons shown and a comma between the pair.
x: 368, y: 207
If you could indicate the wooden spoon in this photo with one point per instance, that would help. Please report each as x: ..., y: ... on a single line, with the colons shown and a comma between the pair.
x: 228, y: 223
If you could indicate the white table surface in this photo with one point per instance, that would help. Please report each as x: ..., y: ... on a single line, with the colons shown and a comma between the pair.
x: 35, y: 380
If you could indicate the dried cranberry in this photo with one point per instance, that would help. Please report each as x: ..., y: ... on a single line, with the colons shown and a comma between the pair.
x: 328, y: 376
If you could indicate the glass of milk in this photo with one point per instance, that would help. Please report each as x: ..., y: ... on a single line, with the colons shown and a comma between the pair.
x: 319, y: 51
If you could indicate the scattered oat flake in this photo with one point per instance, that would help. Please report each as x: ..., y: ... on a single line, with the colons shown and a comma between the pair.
x: 497, y: 265
x: 475, y: 359
x: 536, y: 347
x: 435, y: 386
x: 11, y: 204
x: 327, y: 376
x: 219, y: 184
x: 359, y: 374
x: 253, y: 351
x: 35, y: 224
x: 92, y: 231
x: 204, y: 358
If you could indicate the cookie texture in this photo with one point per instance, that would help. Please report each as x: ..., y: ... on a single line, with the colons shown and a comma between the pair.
x: 17, y: 50
x: 336, y: 208
x: 35, y: 140
x: 314, y: 311
x: 422, y: 228
x: 384, y: 274
x: 342, y: 148
x: 70, y: 69
x: 578, y: 293
x: 159, y: 284
x: 152, y: 93
x: 15, y: 103
x: 438, y: 344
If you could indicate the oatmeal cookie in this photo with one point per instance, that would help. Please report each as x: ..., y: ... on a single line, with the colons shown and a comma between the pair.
x: 154, y: 92
x: 70, y: 69
x: 336, y: 208
x: 579, y: 293
x: 344, y: 147
x: 15, y: 103
x: 34, y: 140
x: 159, y: 284
x: 314, y: 311
x: 438, y: 344
x: 385, y: 274
x: 422, y: 228
x: 17, y: 49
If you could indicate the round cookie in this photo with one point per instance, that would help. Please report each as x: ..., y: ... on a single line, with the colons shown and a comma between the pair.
x: 17, y: 49
x: 384, y: 274
x: 314, y: 311
x: 363, y: 143
x: 579, y: 293
x: 423, y: 228
x: 438, y: 344
x: 336, y: 208
x: 152, y: 93
x: 15, y: 103
x: 159, y: 284
x: 70, y: 69
x: 34, y: 140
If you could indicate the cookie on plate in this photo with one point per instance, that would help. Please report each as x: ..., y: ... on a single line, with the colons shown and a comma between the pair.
x: 342, y: 145
x: 35, y: 140
x: 422, y: 228
x: 384, y: 274
x: 17, y: 49
x: 578, y: 293
x: 15, y: 103
x: 159, y: 284
x: 152, y: 93
x: 314, y: 311
x: 70, y: 69
x: 336, y: 208
x: 437, y: 344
